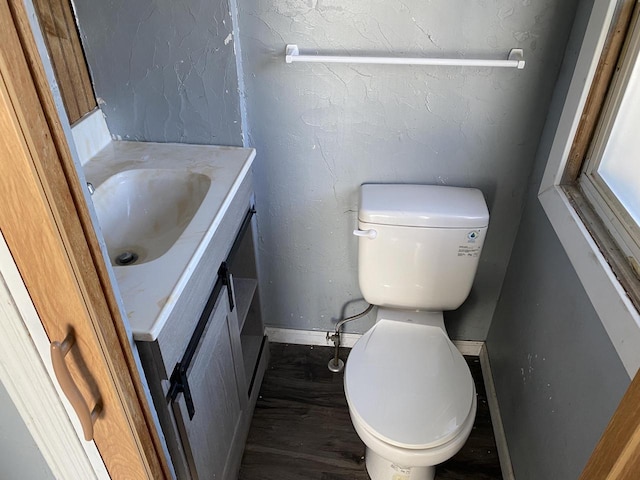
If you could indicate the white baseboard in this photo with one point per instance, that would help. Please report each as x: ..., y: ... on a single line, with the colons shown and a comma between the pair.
x: 496, y: 418
x: 319, y: 338
x: 471, y: 348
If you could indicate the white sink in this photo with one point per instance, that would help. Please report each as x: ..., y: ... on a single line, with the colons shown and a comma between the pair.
x: 143, y: 212
x: 164, y: 202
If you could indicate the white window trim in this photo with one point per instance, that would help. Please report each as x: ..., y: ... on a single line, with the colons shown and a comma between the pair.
x: 617, y: 314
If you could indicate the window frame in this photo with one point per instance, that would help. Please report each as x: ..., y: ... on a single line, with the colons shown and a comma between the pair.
x: 578, y: 228
x: 620, y: 224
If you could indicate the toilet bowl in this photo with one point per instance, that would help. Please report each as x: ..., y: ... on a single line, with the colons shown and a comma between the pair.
x: 411, y: 396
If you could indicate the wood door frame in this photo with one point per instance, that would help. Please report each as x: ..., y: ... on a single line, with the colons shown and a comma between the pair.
x: 617, y: 455
x: 44, y: 210
x: 61, y: 36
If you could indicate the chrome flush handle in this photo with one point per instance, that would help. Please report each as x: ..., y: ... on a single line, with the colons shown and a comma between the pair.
x: 371, y: 233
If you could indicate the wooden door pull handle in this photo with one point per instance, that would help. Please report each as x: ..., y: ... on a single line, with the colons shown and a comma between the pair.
x: 58, y: 352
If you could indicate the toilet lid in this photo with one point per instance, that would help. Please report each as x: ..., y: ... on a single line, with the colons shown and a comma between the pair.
x: 408, y: 385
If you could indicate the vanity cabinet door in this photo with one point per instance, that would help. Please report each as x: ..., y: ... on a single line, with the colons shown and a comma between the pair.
x: 208, y: 437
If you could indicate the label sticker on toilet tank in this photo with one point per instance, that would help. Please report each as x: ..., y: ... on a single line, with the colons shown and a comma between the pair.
x: 468, y: 251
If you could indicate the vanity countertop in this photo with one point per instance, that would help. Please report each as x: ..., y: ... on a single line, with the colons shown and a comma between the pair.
x: 150, y: 290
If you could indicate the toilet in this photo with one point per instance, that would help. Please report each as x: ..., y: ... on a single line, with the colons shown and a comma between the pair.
x: 411, y: 396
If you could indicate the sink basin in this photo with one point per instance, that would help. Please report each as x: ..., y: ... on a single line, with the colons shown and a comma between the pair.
x: 143, y: 212
x: 164, y: 202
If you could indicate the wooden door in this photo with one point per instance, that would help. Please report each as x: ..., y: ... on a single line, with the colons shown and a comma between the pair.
x: 46, y: 224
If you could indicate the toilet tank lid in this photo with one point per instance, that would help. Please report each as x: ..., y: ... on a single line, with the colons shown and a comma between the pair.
x: 423, y: 206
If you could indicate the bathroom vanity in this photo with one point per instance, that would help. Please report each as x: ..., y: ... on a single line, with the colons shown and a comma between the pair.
x: 191, y: 294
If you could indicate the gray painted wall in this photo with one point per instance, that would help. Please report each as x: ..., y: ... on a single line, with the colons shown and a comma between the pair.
x: 557, y: 375
x: 322, y: 130
x: 19, y: 454
x: 164, y: 70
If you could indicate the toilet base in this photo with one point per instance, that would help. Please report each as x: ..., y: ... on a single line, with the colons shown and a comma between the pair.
x: 380, y: 468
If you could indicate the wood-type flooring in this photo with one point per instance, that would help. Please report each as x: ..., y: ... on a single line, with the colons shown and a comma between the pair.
x: 301, y: 428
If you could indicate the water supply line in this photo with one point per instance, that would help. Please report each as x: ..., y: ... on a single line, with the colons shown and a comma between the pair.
x: 335, y: 364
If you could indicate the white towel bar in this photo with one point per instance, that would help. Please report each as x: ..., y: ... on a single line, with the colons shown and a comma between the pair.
x: 515, y: 59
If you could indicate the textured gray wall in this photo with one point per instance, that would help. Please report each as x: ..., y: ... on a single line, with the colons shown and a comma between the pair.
x: 164, y: 70
x: 19, y: 454
x: 321, y: 130
x: 557, y: 375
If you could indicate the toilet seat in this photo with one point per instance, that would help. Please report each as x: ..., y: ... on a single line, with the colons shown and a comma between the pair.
x: 408, y: 385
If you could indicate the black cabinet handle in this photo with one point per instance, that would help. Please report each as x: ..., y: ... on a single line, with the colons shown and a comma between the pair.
x: 179, y: 381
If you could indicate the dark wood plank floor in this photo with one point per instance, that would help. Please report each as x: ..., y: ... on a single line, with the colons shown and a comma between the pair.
x: 301, y: 427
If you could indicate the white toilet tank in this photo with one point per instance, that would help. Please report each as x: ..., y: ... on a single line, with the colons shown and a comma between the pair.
x: 419, y: 245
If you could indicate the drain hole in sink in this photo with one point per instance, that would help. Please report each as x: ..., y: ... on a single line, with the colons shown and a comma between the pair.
x: 126, y: 258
